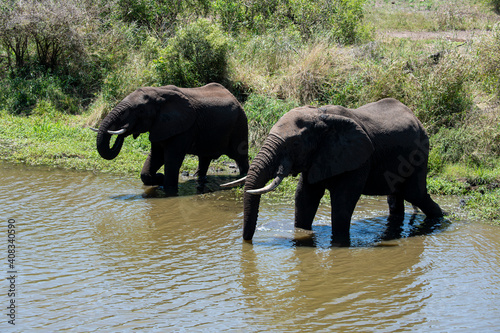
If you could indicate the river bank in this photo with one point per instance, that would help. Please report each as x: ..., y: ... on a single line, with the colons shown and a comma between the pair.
x: 65, y: 142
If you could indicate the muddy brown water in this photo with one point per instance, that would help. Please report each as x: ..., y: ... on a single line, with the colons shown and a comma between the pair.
x: 94, y: 255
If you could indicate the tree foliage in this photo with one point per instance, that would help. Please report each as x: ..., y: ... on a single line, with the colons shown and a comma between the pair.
x: 48, y: 32
x: 196, y: 56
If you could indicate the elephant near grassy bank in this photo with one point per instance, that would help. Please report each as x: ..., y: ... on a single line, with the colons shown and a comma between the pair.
x: 207, y: 121
x: 378, y: 149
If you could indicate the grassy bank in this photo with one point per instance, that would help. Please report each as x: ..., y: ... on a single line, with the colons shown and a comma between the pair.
x: 440, y: 59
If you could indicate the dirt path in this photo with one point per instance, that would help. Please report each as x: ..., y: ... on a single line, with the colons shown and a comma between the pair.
x: 456, y: 35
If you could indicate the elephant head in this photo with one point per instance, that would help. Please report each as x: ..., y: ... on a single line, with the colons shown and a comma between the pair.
x: 163, y: 112
x: 320, y: 143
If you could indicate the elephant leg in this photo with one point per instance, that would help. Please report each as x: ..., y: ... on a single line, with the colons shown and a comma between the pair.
x: 201, y: 172
x: 396, y: 217
x: 343, y: 204
x: 307, y: 198
x: 416, y: 194
x: 154, y: 161
x: 243, y: 164
x: 430, y: 208
x: 345, y: 193
x: 238, y: 151
x: 173, y: 163
x: 396, y: 205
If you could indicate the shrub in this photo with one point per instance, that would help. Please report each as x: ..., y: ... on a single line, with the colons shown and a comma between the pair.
x: 437, y: 92
x: 134, y: 72
x: 339, y: 20
x: 262, y: 113
x: 159, y: 16
x: 496, y: 5
x: 489, y: 52
x: 282, y: 66
x: 474, y: 143
x: 442, y: 97
x: 197, y: 55
x: 48, y: 45
x: 306, y: 79
x: 230, y: 14
x: 50, y: 28
x: 21, y: 93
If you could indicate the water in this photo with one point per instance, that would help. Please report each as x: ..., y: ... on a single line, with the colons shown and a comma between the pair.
x: 94, y: 255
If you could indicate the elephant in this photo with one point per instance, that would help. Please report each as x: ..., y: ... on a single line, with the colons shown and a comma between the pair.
x: 205, y: 121
x: 378, y: 149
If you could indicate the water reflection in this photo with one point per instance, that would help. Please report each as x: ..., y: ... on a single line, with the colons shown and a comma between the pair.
x: 373, y: 231
x: 96, y: 256
x: 365, y: 288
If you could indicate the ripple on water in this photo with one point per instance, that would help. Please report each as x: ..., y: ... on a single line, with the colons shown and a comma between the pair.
x: 96, y: 256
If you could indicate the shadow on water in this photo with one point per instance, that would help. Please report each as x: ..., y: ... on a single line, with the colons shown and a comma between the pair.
x: 368, y: 232
x: 187, y: 187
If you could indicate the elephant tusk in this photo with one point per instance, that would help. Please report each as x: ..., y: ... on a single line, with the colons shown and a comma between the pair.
x: 268, y: 188
x: 94, y: 129
x: 234, y: 183
x: 123, y: 130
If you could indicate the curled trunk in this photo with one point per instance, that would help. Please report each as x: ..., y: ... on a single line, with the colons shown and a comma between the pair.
x: 267, y: 165
x: 104, y: 137
x: 103, y: 141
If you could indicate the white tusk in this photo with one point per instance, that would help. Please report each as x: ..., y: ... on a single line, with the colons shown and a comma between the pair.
x: 268, y: 188
x: 123, y: 130
x: 234, y: 183
x: 94, y: 129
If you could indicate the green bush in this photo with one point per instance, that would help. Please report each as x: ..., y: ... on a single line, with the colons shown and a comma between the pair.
x: 22, y: 93
x: 489, y: 68
x: 436, y: 90
x: 197, y: 55
x: 159, y: 16
x: 443, y: 98
x: 262, y: 113
x: 496, y: 5
x: 472, y: 145
x: 339, y: 20
x: 268, y: 52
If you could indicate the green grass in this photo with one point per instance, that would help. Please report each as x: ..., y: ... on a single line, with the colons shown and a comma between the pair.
x: 483, y: 206
x: 430, y: 15
x: 63, y: 142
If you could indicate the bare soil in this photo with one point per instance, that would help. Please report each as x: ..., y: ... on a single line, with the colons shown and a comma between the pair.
x: 455, y: 36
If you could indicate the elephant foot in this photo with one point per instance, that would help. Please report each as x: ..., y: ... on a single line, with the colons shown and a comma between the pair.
x: 394, y: 227
x: 170, y: 191
x: 150, y: 180
x: 340, y: 241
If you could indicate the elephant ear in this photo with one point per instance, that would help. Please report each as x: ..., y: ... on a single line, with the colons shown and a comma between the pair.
x: 174, y: 115
x: 344, y: 147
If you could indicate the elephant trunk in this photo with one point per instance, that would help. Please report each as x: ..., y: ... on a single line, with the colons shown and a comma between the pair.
x: 269, y: 163
x: 105, y: 132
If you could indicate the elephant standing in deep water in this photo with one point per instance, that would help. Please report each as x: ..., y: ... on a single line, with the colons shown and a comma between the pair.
x: 378, y: 149
x: 207, y: 121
